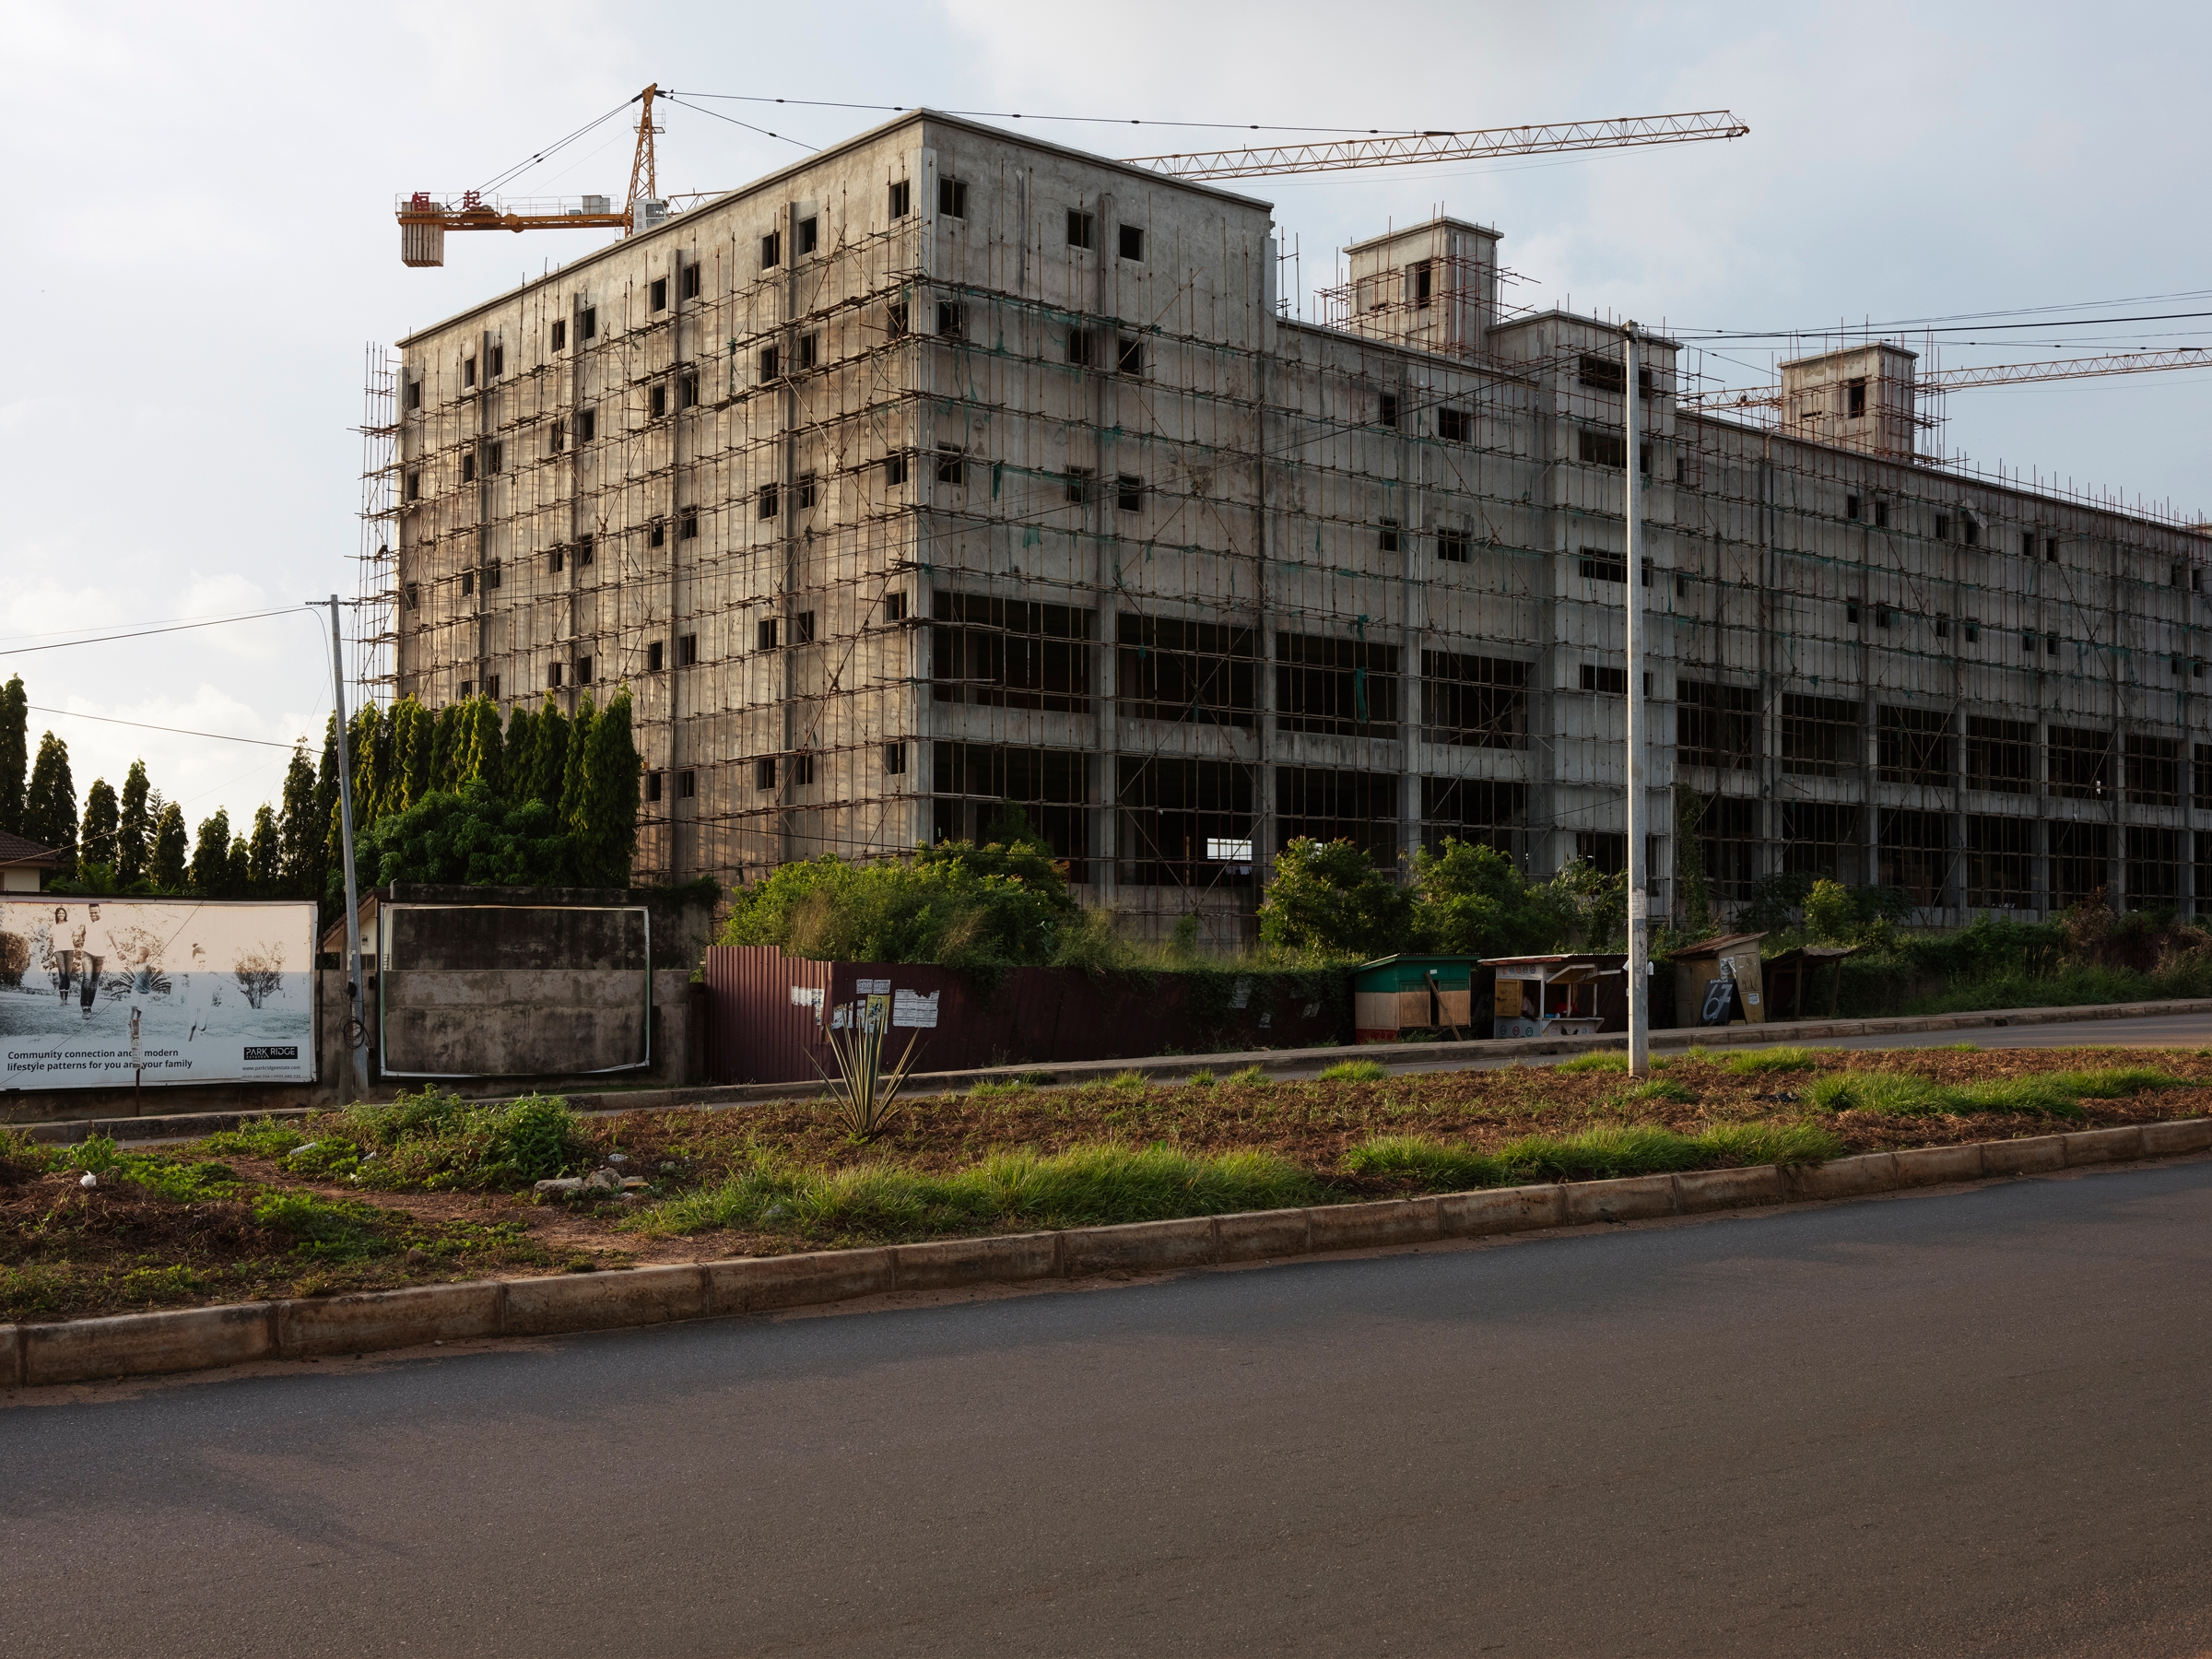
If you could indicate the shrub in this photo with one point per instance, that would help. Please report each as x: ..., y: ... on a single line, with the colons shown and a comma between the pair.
x: 1330, y: 900
x: 1472, y: 902
x: 440, y: 1142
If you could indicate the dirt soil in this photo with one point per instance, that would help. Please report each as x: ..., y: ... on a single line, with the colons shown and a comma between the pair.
x: 67, y: 1251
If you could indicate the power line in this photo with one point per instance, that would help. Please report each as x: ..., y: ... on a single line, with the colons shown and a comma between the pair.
x: 142, y: 632
x: 1798, y: 333
x: 144, y: 726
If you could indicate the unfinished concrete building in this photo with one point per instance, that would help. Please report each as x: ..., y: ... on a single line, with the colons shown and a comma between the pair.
x: 948, y: 469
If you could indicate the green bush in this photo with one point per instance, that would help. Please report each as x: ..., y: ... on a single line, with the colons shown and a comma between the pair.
x: 440, y: 1142
x: 1328, y: 900
x: 1473, y: 902
x: 332, y: 1229
x: 956, y: 905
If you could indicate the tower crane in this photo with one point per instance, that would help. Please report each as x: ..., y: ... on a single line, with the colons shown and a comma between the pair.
x: 1994, y: 374
x: 424, y: 219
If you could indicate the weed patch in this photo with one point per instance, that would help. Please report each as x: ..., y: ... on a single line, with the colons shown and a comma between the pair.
x: 1354, y: 1071
x: 1755, y: 1062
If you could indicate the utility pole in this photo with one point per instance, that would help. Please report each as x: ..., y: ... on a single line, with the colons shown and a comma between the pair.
x: 357, y: 1035
x: 1640, y: 906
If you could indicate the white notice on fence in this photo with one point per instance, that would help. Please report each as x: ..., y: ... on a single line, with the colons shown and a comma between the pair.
x: 871, y: 987
x: 912, y: 1008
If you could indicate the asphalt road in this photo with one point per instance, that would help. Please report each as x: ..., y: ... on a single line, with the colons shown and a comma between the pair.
x: 1969, y: 1422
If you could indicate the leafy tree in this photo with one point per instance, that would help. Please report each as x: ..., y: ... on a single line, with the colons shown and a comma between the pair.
x: 300, y: 831
x: 957, y: 906
x: 412, y: 727
x: 542, y: 778
x: 265, y: 856
x: 102, y: 823
x: 49, y: 802
x: 326, y: 796
x: 1472, y: 902
x: 1595, y: 906
x: 238, y: 881
x: 170, y: 845
x: 445, y: 739
x: 15, y: 753
x: 515, y: 749
x: 1331, y: 899
x: 210, y: 873
x: 469, y: 836
x: 369, y: 747
x: 133, y: 826
x: 604, y: 822
x: 480, y: 757
x: 572, y: 792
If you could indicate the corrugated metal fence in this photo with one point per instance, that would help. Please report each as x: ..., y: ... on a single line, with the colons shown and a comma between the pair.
x: 768, y: 1013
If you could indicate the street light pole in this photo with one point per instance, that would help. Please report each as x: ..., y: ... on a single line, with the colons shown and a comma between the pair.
x: 1640, y: 909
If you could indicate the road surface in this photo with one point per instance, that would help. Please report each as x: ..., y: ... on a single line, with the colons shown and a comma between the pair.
x: 1965, y: 1422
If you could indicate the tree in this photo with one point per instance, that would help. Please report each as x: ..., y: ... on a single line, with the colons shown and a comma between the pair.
x: 469, y: 836
x: 49, y: 802
x: 210, y: 873
x: 1472, y: 902
x: 265, y: 857
x: 101, y: 824
x: 411, y: 779
x: 479, y: 758
x: 1331, y: 899
x: 604, y: 822
x: 171, y: 843
x: 15, y: 753
x: 516, y: 746
x: 260, y: 971
x: 326, y: 796
x: 542, y: 778
x: 571, y: 766
x: 299, y: 833
x: 238, y: 880
x: 133, y: 826
x: 445, y: 738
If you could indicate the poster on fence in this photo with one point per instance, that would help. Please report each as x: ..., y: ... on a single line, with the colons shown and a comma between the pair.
x: 101, y: 993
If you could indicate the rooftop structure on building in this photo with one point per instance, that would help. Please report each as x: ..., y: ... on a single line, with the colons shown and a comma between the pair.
x: 947, y: 471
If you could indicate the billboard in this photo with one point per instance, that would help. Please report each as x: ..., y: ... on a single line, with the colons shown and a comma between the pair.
x: 101, y: 993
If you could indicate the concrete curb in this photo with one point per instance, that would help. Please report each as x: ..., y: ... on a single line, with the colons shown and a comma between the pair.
x: 1168, y: 1067
x: 132, y: 1345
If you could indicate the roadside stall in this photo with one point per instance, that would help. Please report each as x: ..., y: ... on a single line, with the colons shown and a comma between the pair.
x: 1718, y: 981
x: 1560, y: 995
x: 1787, y: 973
x: 1397, y: 994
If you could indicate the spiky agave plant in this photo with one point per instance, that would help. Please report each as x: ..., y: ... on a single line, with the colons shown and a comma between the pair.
x: 866, y: 1096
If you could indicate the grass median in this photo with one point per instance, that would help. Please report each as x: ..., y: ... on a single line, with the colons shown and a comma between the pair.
x: 433, y: 1187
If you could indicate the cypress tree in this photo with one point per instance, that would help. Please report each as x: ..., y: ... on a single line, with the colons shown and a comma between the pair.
x: 548, y: 756
x: 237, y: 879
x: 49, y: 802
x: 101, y: 824
x: 369, y: 747
x: 210, y: 873
x: 15, y: 753
x: 265, y: 856
x: 445, y: 733
x: 410, y: 757
x: 572, y: 799
x: 169, y: 847
x: 326, y: 791
x: 299, y: 833
x: 134, y: 827
x: 480, y: 757
x: 604, y: 828
x: 518, y: 748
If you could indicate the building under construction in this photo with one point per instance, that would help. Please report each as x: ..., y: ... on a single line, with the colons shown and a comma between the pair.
x: 948, y: 469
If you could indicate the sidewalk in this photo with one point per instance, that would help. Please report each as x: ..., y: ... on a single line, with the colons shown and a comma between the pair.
x: 1170, y: 1066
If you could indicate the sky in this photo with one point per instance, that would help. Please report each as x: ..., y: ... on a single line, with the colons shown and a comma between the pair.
x: 202, y: 248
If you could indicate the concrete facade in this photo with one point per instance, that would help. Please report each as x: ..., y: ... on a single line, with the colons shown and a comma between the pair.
x: 948, y: 469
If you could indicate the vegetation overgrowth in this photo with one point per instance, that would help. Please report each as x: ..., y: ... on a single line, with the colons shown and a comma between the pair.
x: 431, y: 1186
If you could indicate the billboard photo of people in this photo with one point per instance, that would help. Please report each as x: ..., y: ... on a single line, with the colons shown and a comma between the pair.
x: 101, y: 993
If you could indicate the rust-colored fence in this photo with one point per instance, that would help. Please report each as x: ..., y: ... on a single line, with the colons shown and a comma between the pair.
x: 768, y: 1013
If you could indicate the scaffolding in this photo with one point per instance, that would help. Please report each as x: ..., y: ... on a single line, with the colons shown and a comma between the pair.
x: 951, y: 473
